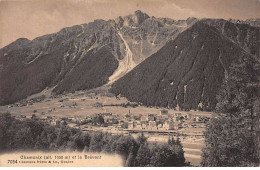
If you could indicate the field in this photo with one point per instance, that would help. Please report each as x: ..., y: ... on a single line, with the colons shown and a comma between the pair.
x: 83, y: 104
x: 79, y: 104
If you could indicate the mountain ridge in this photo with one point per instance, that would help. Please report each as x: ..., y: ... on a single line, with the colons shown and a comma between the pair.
x: 60, y: 60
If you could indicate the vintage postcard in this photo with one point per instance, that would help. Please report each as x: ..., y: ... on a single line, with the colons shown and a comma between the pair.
x: 129, y: 83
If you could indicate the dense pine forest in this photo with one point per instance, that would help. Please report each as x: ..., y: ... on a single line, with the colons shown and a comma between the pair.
x: 232, y: 139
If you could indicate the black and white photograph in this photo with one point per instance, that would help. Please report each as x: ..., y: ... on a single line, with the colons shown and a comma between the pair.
x: 129, y: 83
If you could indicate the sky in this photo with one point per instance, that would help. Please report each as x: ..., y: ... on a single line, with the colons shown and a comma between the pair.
x: 34, y: 18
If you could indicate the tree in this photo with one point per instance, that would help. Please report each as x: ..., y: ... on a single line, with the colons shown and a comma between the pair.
x: 85, y: 139
x: 167, y: 155
x: 171, y: 141
x: 130, y: 161
x: 141, y: 139
x: 124, y: 145
x: 76, y: 142
x: 98, y: 119
x: 63, y: 136
x: 34, y: 117
x: 231, y: 139
x: 23, y: 139
x: 143, y: 156
x: 5, y: 122
x: 42, y: 142
x: 108, y: 141
x: 96, y: 143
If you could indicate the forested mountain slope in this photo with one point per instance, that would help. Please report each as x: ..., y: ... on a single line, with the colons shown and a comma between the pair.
x: 188, y: 71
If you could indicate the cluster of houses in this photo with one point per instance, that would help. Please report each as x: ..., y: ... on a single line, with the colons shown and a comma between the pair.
x: 52, y: 120
x: 165, y: 121
x: 25, y: 102
x: 151, y: 122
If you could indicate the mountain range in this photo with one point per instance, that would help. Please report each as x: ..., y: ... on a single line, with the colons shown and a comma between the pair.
x: 152, y: 61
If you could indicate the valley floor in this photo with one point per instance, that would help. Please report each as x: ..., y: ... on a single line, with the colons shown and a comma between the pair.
x: 81, y: 105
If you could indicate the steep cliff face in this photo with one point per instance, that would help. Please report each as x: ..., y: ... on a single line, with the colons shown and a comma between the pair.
x: 187, y: 72
x: 145, y: 35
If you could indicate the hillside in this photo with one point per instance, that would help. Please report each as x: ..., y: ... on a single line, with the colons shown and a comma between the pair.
x: 187, y: 72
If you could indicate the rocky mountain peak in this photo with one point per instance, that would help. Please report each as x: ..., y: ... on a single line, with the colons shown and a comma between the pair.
x: 132, y: 20
x: 140, y: 16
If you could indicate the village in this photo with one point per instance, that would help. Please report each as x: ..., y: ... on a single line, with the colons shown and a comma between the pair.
x: 114, y: 123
